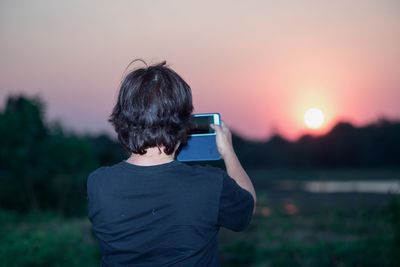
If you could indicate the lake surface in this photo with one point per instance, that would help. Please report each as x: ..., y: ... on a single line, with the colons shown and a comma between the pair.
x: 377, y: 187
x: 320, y: 196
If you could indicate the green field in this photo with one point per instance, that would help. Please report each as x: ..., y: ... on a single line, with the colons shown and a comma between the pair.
x: 282, y: 233
x: 366, y: 237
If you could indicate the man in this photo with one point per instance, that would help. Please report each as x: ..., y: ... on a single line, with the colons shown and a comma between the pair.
x: 151, y: 210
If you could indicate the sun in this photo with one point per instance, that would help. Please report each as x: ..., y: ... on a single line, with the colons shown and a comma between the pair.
x: 314, y: 118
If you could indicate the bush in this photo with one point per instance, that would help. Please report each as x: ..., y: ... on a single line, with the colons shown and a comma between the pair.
x: 45, y: 240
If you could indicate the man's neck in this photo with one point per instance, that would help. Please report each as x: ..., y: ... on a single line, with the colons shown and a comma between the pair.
x: 153, y: 156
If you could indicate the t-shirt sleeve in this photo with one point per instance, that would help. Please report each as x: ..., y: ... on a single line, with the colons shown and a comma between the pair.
x: 92, y: 192
x: 91, y: 195
x: 235, y: 206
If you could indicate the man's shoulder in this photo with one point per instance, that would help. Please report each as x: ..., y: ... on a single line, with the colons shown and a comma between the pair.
x: 103, y: 170
x: 202, y: 174
x: 204, y: 169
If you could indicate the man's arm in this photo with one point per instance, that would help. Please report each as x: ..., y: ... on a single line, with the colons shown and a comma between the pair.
x: 233, y: 166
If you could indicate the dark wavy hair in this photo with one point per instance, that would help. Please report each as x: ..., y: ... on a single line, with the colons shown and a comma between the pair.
x: 153, y: 109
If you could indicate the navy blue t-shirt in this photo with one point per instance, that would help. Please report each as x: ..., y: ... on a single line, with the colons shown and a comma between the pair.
x: 164, y: 215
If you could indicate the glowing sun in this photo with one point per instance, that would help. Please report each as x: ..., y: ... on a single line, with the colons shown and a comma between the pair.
x: 314, y: 118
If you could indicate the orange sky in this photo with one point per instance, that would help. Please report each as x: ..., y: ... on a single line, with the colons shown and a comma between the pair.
x: 261, y: 64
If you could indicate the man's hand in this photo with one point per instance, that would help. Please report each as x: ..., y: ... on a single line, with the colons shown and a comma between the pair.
x: 223, y: 139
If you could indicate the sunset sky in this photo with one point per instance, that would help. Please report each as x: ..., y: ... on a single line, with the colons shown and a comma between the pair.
x: 261, y: 64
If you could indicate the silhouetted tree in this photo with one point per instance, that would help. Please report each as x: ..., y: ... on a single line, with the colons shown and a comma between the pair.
x: 22, y: 134
x: 42, y: 167
x: 374, y: 145
x: 106, y: 150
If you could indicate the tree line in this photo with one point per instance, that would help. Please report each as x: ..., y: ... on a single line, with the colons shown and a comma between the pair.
x: 376, y: 145
x: 44, y: 167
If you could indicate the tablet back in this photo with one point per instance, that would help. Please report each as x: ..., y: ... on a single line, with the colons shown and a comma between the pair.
x: 199, y: 148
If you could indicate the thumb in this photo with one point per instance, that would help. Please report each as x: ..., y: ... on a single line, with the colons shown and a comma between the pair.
x: 215, y: 127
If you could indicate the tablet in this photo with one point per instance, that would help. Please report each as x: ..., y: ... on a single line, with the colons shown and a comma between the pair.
x: 201, y: 144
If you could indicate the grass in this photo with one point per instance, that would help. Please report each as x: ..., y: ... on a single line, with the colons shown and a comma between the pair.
x: 280, y: 234
x: 326, y: 239
x: 333, y: 239
x: 45, y: 240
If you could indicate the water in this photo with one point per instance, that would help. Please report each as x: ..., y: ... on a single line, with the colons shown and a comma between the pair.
x: 377, y: 187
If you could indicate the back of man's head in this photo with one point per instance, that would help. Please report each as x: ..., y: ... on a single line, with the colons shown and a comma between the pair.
x: 153, y: 109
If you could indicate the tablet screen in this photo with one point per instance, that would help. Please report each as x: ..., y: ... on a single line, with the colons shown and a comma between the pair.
x: 201, y: 125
